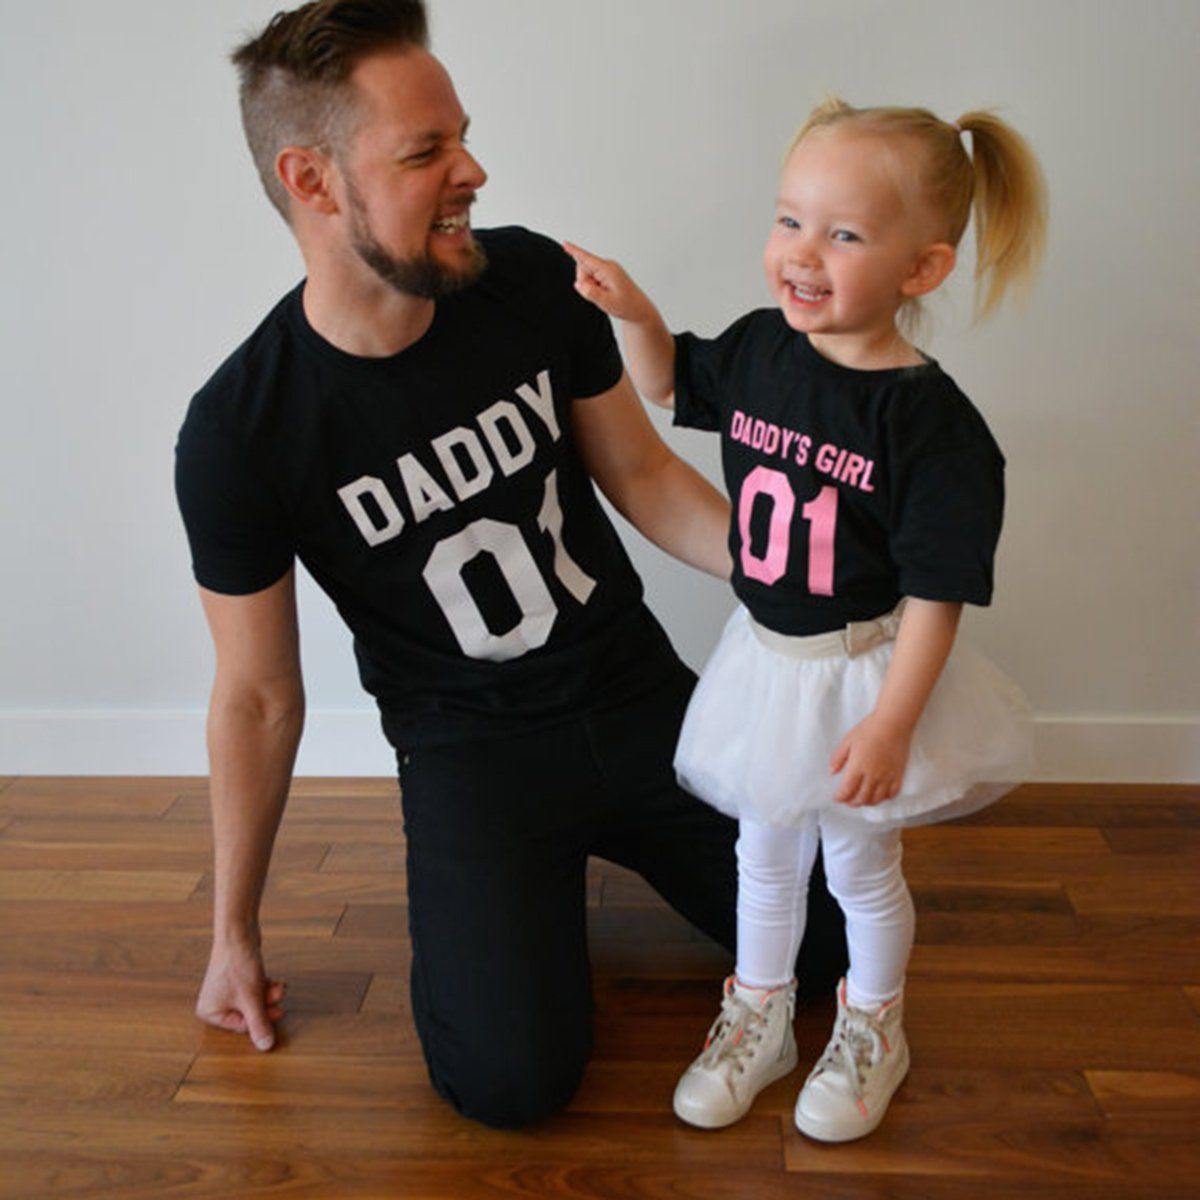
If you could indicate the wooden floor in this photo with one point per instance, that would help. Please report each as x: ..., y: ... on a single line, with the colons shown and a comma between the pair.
x: 1053, y: 1013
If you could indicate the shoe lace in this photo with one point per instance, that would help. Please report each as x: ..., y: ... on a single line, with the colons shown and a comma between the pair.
x: 736, y: 1033
x: 858, y: 1043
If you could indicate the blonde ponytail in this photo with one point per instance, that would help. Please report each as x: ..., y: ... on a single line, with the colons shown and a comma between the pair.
x: 1009, y: 206
x: 999, y: 182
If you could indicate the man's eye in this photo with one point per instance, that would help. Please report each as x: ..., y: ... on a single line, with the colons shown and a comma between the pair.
x: 421, y: 155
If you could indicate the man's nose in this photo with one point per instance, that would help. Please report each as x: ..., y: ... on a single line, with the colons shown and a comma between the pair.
x: 467, y: 171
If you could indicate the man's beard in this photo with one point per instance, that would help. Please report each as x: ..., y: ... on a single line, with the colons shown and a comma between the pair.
x: 423, y: 276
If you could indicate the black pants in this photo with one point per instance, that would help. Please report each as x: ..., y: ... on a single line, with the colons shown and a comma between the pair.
x: 499, y: 832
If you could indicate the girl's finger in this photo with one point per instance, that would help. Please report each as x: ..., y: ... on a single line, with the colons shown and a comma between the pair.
x: 580, y: 255
x: 849, y: 788
x: 838, y: 761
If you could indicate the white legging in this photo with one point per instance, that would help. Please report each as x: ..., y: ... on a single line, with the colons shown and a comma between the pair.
x: 863, y: 869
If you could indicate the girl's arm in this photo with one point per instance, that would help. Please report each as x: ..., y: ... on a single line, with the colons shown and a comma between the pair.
x: 649, y: 346
x: 668, y: 501
x: 874, y: 753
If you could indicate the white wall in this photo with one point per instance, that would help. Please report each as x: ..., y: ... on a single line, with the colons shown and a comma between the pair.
x: 136, y: 252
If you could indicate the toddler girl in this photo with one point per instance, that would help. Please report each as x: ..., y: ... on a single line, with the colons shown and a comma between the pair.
x: 867, y: 498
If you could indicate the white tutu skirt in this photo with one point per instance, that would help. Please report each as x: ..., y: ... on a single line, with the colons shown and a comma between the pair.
x: 762, y: 726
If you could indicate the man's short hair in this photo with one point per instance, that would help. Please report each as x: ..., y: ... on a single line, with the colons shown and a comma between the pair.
x: 295, y: 75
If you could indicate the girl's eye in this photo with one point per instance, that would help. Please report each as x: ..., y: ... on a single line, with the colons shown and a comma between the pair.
x: 844, y: 235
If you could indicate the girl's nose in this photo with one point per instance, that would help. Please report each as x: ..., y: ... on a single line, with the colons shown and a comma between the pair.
x: 805, y: 251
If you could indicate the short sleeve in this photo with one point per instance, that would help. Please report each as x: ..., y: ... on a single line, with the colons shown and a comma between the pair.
x: 947, y: 500
x: 703, y: 367
x: 239, y: 537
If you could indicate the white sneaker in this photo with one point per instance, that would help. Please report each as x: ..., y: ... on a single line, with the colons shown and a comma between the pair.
x: 750, y: 1044
x: 866, y: 1060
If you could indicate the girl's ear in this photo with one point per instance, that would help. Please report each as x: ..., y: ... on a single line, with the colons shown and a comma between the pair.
x: 933, y: 264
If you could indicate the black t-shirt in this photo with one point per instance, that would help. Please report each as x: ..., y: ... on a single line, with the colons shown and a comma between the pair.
x: 849, y: 488
x: 437, y: 497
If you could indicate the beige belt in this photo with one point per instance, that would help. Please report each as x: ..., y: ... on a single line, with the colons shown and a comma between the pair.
x: 857, y: 638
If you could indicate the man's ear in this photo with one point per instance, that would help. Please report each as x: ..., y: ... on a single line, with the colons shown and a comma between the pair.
x: 308, y: 176
x: 933, y: 264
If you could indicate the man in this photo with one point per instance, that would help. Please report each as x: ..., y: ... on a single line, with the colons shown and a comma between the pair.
x: 420, y: 422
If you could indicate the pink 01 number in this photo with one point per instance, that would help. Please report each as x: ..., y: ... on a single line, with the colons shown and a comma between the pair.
x: 821, y: 513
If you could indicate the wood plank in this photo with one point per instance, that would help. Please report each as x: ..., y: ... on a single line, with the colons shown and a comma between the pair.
x: 384, y: 887
x: 982, y: 869
x: 83, y: 885
x: 659, y: 925
x: 1105, y: 808
x: 387, y: 993
x: 1173, y: 1095
x: 679, y: 960
x: 85, y: 796
x: 1018, y: 1026
x: 1148, y: 884
x: 1154, y: 840
x: 1009, y: 899
x: 386, y: 921
x: 298, y: 1080
x: 304, y: 806
x: 166, y: 952
x: 1193, y: 995
x: 1050, y: 1025
x: 313, y: 1035
x: 1127, y: 793
x: 321, y: 785
x: 128, y: 854
x: 972, y: 1123
x: 192, y: 835
x: 626, y: 889
x: 879, y: 1186
x: 282, y: 918
x: 1104, y: 949
x: 1085, y: 1150
x: 45, y: 1014
x: 86, y: 1074
x: 334, y: 1176
x: 41, y: 1028
x: 954, y: 839
x: 78, y: 990
x: 431, y: 1133
x: 366, y: 857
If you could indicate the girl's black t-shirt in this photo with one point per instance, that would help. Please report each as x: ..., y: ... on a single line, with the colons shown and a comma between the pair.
x: 850, y: 489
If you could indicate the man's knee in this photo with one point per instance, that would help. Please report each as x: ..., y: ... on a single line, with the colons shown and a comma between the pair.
x: 508, y: 1090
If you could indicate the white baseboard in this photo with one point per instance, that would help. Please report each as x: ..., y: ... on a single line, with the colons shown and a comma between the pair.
x: 1088, y: 749
x: 1085, y: 749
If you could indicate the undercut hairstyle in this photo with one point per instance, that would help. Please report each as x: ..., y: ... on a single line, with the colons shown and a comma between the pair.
x: 999, y: 182
x: 294, y: 75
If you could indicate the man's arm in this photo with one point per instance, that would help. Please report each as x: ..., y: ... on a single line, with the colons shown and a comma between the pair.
x: 255, y: 717
x: 668, y: 501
